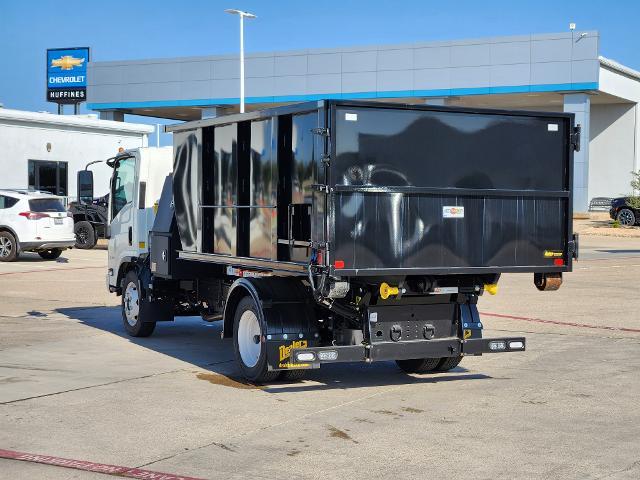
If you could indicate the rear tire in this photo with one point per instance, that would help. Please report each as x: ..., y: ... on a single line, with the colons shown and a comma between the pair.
x: 626, y: 217
x: 50, y: 254
x: 132, y: 315
x: 8, y: 247
x: 448, y: 363
x: 85, y: 235
x: 249, y: 343
x: 418, y: 365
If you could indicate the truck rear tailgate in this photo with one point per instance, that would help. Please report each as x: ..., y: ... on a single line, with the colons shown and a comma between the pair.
x: 422, y: 190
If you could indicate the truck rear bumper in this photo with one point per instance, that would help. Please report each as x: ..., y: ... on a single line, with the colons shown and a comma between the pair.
x: 450, y: 347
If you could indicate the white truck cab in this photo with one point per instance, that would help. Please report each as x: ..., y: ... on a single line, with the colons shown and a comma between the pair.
x: 136, y: 185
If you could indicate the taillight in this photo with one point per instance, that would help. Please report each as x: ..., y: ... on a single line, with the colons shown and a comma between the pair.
x: 33, y: 215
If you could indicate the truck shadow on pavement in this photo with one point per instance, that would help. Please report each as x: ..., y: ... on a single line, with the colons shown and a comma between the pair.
x: 191, y: 340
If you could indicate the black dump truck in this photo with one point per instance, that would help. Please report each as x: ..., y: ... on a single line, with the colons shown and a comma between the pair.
x: 348, y: 231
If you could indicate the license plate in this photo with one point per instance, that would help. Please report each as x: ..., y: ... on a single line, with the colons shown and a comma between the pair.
x: 57, y: 221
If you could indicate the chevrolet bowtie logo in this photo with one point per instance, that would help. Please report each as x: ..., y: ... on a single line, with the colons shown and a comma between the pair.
x: 67, y: 62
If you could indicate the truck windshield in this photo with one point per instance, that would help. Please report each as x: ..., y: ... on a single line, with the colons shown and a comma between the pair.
x: 46, y: 205
x: 123, y: 182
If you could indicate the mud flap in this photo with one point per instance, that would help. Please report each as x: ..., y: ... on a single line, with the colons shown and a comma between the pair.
x: 470, y: 323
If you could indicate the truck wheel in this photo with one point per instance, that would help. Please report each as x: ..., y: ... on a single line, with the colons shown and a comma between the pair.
x: 8, y: 247
x: 448, y: 363
x: 134, y: 323
x: 85, y: 235
x: 248, y: 345
x: 626, y: 217
x: 51, y: 254
x: 418, y: 365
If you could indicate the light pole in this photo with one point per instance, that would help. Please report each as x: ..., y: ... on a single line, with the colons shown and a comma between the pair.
x: 241, y: 14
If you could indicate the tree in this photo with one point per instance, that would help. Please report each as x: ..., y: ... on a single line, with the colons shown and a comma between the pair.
x: 634, y: 198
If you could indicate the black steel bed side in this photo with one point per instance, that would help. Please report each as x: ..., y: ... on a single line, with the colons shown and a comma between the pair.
x: 331, y: 189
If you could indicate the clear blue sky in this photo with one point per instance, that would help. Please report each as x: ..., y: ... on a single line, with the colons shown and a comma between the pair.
x: 132, y: 29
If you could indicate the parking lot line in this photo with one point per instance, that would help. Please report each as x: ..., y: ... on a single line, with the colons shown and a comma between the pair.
x: 50, y: 270
x: 115, y: 470
x: 565, y: 324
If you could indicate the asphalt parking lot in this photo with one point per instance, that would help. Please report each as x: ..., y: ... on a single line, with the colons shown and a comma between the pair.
x: 72, y: 385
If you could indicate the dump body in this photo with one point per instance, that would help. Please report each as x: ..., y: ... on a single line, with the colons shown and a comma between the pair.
x: 374, y: 189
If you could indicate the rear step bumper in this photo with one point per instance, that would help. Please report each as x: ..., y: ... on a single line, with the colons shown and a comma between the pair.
x: 451, y: 347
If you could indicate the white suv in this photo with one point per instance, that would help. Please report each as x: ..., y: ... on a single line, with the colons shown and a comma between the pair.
x: 33, y: 221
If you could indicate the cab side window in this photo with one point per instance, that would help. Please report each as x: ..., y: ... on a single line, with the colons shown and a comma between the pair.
x: 123, y: 183
x: 7, y: 202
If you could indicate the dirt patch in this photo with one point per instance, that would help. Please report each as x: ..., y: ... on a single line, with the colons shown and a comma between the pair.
x: 225, y: 381
x: 363, y: 420
x: 599, y: 224
x: 384, y: 412
x: 293, y: 453
x: 412, y: 410
x: 337, y: 433
x: 607, y: 231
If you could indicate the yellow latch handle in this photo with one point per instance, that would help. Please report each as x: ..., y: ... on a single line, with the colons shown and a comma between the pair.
x: 387, y: 290
x: 491, y: 288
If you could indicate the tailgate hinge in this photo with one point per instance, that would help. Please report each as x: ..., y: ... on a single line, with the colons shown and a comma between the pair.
x: 320, y: 131
x: 575, y: 137
x: 321, y: 188
x: 574, y: 246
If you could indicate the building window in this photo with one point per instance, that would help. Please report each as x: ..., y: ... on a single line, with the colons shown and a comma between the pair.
x: 48, y: 176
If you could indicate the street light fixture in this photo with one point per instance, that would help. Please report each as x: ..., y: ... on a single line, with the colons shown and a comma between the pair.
x: 241, y: 14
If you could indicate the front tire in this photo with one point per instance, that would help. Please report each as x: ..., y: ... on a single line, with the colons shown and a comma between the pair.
x: 132, y: 314
x: 50, y: 254
x: 626, y: 217
x: 85, y: 235
x: 8, y: 247
x: 249, y: 343
x: 418, y: 365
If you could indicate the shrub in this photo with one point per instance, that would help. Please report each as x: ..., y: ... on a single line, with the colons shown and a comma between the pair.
x: 634, y: 199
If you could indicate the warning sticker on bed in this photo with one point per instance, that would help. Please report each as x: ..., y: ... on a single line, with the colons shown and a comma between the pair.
x: 351, y: 117
x: 552, y: 127
x: 452, y: 212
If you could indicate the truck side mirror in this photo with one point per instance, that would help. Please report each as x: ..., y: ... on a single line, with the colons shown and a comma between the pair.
x: 85, y: 186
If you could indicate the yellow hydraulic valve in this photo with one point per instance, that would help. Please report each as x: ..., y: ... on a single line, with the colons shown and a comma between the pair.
x: 491, y: 288
x: 387, y: 290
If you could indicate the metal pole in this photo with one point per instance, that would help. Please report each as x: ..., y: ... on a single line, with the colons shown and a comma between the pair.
x: 158, y: 135
x: 241, y: 14
x: 241, y: 63
x: 76, y: 109
x: 60, y: 111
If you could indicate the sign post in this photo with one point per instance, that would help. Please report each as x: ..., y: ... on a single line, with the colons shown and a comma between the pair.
x: 67, y: 76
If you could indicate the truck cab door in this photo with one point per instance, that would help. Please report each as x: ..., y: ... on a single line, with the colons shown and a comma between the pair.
x: 121, y: 212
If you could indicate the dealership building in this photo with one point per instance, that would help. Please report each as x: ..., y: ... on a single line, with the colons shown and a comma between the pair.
x: 549, y: 72
x: 43, y: 151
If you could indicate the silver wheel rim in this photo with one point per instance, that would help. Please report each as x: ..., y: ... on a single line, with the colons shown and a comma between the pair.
x: 248, y: 332
x: 131, y: 301
x: 625, y: 217
x: 5, y: 247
